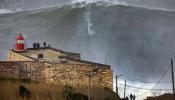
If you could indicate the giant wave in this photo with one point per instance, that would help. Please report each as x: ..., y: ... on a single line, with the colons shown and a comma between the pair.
x: 132, y: 38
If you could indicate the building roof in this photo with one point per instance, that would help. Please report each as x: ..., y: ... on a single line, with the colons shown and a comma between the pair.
x: 84, y: 61
x: 56, y: 50
x: 20, y: 52
x: 61, y: 51
x: 67, y: 57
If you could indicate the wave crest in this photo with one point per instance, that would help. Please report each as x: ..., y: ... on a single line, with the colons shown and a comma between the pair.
x: 99, y: 2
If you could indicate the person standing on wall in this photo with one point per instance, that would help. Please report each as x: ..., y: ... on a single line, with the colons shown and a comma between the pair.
x: 131, y: 96
x: 134, y: 97
x: 44, y: 44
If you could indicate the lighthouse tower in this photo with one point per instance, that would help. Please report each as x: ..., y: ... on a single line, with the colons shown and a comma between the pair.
x: 19, y: 44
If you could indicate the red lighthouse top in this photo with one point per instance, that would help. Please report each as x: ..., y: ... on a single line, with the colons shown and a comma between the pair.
x: 20, y: 37
x: 19, y: 45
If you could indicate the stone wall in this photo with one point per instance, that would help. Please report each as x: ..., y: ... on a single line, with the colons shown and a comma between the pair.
x: 22, y: 69
x: 76, y: 75
x: 9, y: 70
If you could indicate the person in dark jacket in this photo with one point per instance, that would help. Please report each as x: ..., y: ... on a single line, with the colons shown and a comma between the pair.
x: 134, y: 97
x: 34, y: 45
x: 131, y: 96
x: 44, y: 44
x: 38, y: 45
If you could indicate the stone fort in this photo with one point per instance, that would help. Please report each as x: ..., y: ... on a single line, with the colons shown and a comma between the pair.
x: 54, y: 66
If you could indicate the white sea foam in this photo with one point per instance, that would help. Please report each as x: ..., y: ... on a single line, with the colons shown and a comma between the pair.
x: 89, y: 22
x: 88, y: 3
x: 2, y: 11
x: 114, y: 2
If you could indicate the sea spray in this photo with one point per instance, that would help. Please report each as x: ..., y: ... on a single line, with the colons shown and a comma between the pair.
x: 88, y: 20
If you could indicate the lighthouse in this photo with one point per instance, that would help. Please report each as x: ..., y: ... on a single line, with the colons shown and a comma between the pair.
x: 19, y: 44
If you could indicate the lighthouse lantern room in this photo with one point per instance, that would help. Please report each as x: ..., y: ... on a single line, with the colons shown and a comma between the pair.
x: 19, y: 44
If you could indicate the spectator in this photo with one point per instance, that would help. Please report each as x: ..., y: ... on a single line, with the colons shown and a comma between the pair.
x: 131, y: 96
x: 34, y: 45
x: 134, y: 97
x: 44, y: 44
x: 48, y: 45
x: 38, y: 45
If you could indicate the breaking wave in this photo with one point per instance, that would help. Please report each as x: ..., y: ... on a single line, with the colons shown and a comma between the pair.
x: 107, y: 2
x: 96, y: 29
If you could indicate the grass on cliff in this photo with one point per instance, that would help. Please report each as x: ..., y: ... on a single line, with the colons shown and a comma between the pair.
x: 9, y: 90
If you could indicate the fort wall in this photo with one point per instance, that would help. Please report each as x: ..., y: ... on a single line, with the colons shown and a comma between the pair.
x: 76, y: 75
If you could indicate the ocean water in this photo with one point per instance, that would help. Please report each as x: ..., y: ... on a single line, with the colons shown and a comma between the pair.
x: 134, y: 40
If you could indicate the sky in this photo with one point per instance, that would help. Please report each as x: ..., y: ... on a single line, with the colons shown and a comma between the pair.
x: 138, y: 54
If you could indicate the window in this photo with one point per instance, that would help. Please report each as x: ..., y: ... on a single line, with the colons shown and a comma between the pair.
x: 20, y: 41
x: 63, y: 60
x: 40, y: 56
x: 34, y: 56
